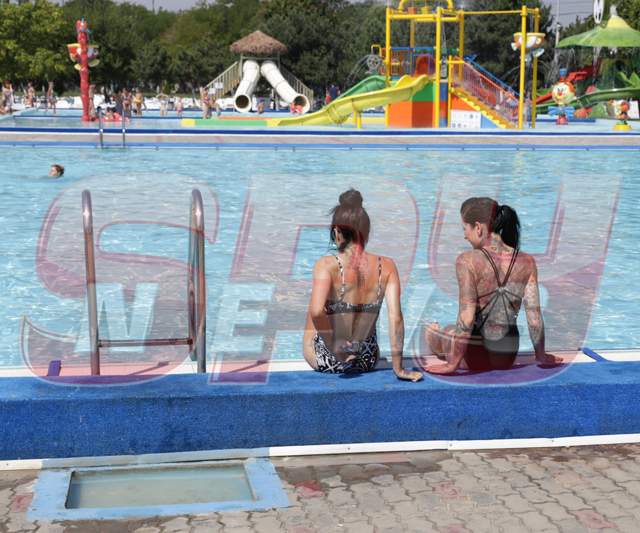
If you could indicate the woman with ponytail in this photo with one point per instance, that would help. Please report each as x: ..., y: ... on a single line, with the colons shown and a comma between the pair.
x: 347, y: 294
x: 494, y: 279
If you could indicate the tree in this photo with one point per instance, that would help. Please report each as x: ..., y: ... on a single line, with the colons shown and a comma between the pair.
x: 33, y: 45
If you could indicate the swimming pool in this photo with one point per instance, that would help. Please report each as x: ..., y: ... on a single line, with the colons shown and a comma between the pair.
x: 266, y: 216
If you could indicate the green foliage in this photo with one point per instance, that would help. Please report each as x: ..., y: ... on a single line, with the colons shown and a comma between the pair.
x: 325, y: 38
x: 32, y: 41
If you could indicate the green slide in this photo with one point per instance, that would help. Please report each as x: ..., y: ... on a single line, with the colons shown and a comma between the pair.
x: 370, y: 84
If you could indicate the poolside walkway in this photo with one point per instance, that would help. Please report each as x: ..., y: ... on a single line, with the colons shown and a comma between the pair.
x: 553, y: 489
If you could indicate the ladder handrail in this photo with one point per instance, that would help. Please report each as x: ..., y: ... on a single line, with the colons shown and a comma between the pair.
x: 100, y: 128
x: 196, y: 290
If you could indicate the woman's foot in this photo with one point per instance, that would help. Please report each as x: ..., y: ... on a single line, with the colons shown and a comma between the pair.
x: 548, y: 360
x: 434, y: 337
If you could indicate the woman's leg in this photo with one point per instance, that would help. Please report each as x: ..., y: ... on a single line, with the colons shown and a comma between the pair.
x: 438, y: 339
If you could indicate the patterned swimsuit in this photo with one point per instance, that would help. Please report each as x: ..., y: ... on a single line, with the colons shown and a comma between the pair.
x: 363, y: 355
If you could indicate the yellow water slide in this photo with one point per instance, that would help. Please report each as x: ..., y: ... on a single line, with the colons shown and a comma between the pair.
x: 339, y: 110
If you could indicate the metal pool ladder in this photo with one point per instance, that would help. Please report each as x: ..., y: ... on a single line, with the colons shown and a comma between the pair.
x: 196, y: 290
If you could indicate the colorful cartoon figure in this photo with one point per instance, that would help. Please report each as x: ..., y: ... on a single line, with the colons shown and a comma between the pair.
x: 562, y: 93
x: 85, y: 56
x: 621, y: 109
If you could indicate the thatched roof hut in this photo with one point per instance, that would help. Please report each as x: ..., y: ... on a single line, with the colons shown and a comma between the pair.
x: 259, y: 44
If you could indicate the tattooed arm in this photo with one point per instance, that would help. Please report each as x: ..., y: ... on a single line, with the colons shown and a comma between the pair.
x: 396, y: 325
x: 535, y: 322
x: 467, y: 299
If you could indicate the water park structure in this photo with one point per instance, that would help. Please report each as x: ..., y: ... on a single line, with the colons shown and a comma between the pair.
x: 413, y: 78
x: 85, y: 56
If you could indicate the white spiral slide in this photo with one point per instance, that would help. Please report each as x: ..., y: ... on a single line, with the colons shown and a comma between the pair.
x: 270, y: 71
x: 250, y: 77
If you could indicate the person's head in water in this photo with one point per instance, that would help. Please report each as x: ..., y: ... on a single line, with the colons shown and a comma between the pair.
x: 350, y: 222
x: 483, y: 216
x: 56, y: 171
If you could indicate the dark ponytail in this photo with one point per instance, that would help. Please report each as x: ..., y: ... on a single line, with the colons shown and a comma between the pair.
x: 501, y: 219
x: 507, y: 225
x: 351, y: 219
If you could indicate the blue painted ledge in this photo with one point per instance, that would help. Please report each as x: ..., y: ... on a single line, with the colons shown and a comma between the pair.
x: 187, y: 413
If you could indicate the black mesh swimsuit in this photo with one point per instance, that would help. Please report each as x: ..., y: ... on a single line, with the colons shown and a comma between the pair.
x: 486, y: 350
x: 363, y: 355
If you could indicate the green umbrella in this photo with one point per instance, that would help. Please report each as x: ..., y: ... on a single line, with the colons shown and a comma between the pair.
x: 616, y: 33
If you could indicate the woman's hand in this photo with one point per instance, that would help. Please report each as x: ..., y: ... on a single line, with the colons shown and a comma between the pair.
x: 408, y: 375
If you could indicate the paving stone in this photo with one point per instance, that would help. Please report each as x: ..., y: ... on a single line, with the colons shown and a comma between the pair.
x: 626, y: 525
x: 535, y: 495
x: 600, y: 483
x: 18, y: 523
x: 451, y: 465
x: 234, y: 519
x: 600, y: 463
x: 479, y: 524
x: 551, y: 486
x: 511, y: 525
x: 483, y: 498
x: 385, y: 479
x: 632, y: 488
x: 359, y: 527
x: 407, y: 509
x: 518, y: 480
x: 413, y: 483
x: 418, y: 525
x: 139, y: 530
x: 517, y: 503
x: 593, y: 520
x: 535, y: 521
x: 179, y: 524
x: 333, y: 481
x: 571, y: 502
x: 570, y: 526
x: 570, y: 480
x: 501, y: 464
x: 534, y: 471
x: 626, y: 501
x: 394, y: 493
x: 469, y: 458
x: 340, y: 496
x: 618, y: 475
x: 554, y: 511
x: 212, y: 527
x: 268, y: 524
x: 48, y: 527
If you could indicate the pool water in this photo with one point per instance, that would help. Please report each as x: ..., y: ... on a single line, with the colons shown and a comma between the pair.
x: 158, y: 486
x: 266, y: 215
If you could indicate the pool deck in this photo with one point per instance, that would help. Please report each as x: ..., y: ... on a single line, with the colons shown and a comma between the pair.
x: 572, y: 490
x: 186, y: 412
x: 323, y: 138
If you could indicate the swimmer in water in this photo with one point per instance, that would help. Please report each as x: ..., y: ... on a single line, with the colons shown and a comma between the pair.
x: 56, y: 171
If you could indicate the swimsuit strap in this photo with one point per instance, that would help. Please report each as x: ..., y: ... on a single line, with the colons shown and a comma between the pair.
x: 379, y: 277
x: 499, y: 291
x: 495, y: 267
x: 342, y: 286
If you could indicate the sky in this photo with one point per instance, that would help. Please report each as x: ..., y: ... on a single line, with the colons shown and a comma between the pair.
x: 569, y: 9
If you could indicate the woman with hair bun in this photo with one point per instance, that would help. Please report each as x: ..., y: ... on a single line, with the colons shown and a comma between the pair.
x: 494, y: 279
x: 347, y: 294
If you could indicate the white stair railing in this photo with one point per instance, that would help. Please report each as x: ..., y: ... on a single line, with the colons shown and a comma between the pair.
x: 227, y: 81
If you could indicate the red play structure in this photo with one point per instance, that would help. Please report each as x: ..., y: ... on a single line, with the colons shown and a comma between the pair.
x: 84, y: 55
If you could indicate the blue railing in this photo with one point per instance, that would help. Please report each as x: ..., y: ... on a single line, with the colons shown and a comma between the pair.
x: 492, y: 77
